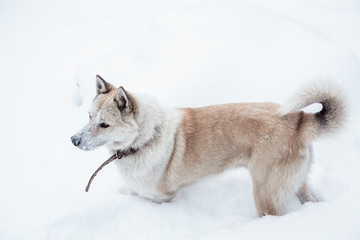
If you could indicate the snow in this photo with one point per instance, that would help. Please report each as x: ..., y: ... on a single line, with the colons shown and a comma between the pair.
x: 186, y: 53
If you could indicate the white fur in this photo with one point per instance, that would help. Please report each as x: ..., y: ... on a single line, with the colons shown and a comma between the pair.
x: 142, y: 171
x: 297, y: 179
x: 309, y: 94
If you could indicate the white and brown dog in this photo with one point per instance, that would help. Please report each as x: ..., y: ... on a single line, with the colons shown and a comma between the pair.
x: 173, y: 147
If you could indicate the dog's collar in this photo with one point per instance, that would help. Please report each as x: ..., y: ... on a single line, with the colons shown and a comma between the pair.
x: 120, y: 153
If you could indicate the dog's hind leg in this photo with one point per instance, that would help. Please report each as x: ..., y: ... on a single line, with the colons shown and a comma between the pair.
x: 275, y: 183
x: 305, y: 195
x: 269, y: 199
x: 265, y: 204
x: 269, y: 191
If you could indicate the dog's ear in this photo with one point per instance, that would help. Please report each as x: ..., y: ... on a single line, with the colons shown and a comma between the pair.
x: 102, y: 87
x: 124, y: 101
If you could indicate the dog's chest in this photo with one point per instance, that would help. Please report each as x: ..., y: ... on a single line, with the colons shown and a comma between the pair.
x: 143, y: 170
x: 142, y: 175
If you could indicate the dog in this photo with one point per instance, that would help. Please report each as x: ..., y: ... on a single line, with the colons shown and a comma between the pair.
x: 169, y: 148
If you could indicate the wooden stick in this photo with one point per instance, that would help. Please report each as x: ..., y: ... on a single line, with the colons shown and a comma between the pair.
x: 112, y: 158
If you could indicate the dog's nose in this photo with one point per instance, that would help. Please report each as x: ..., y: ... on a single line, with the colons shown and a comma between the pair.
x: 75, y: 140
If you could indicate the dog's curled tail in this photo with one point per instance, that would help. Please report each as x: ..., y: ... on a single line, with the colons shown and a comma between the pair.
x: 329, y: 119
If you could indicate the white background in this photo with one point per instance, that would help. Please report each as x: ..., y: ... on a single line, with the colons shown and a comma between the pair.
x: 187, y: 54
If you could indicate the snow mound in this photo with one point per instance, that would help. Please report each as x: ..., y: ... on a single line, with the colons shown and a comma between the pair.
x: 187, y: 54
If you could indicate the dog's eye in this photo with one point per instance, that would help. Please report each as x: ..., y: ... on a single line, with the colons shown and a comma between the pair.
x: 104, y: 125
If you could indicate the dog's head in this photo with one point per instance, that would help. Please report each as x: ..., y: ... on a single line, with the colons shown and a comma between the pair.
x: 111, y: 119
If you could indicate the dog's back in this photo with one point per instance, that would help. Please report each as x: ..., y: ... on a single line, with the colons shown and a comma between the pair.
x: 273, y: 142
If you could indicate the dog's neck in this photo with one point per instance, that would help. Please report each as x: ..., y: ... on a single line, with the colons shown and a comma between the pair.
x: 149, y: 117
x: 132, y: 150
x: 124, y: 153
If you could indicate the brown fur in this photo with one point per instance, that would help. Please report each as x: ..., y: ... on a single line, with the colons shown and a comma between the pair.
x: 215, y: 138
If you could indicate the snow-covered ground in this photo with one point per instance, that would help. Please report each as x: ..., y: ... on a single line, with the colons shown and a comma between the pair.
x: 187, y: 53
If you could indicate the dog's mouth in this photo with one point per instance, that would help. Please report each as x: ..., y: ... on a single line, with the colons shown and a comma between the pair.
x: 93, y: 146
x: 84, y: 145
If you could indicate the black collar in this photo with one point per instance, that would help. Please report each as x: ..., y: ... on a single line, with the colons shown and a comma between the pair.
x: 119, y: 153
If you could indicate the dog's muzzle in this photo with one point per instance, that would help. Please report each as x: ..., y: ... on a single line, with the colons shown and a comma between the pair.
x: 76, y: 140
